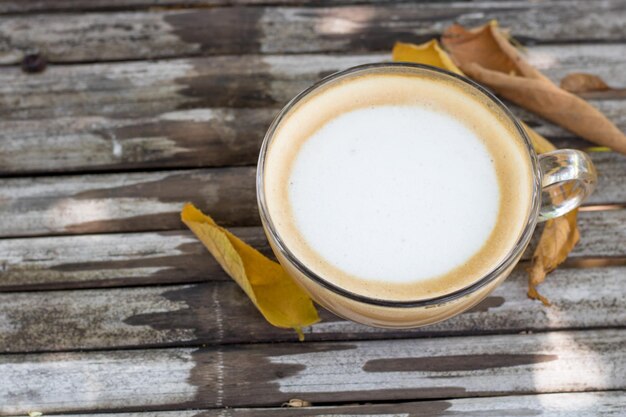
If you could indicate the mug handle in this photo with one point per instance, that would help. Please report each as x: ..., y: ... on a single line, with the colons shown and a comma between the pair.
x: 569, y: 177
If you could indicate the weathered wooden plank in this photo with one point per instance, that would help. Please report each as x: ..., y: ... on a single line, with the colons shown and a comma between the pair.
x: 131, y: 202
x: 22, y: 6
x: 318, y: 372
x: 147, y: 88
x: 610, y: 187
x: 128, y: 115
x: 219, y: 312
x: 180, y: 139
x: 113, y: 260
x: 74, y: 37
x: 124, y: 202
x: 580, y: 404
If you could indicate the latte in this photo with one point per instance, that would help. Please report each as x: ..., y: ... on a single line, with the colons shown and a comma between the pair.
x: 398, y: 185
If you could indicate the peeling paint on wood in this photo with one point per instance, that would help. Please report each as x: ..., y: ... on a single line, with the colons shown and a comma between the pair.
x: 219, y: 312
x: 455, y: 363
x: 105, y: 380
x: 211, y: 110
x: 200, y: 137
x: 112, y: 260
x: 75, y: 37
x: 318, y: 372
x: 185, y: 138
x: 177, y: 256
x: 582, y: 404
x: 125, y: 202
x: 224, y: 81
x: 136, y: 115
x: 132, y: 202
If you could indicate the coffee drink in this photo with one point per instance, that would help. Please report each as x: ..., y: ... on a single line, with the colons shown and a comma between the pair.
x: 398, y: 184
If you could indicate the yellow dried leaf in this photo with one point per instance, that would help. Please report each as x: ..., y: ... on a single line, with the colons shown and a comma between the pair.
x: 273, y: 292
x: 429, y: 53
x: 559, y: 235
x: 579, y: 82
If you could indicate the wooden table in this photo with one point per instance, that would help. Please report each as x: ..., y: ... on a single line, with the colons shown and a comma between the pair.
x: 107, y: 303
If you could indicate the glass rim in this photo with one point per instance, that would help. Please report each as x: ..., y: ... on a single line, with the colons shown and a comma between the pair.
x: 512, y: 255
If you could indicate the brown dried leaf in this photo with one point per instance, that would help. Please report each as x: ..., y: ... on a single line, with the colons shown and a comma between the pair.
x: 559, y: 237
x: 489, y: 47
x: 486, y: 55
x: 579, y: 82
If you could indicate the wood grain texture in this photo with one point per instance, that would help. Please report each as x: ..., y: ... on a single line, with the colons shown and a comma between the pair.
x: 181, y: 139
x: 211, y: 110
x: 75, y: 37
x: 138, y: 115
x: 149, y: 88
x: 25, y: 6
x: 219, y: 312
x: 114, y: 260
x: 124, y: 202
x: 132, y: 202
x: 253, y: 375
x: 584, y: 404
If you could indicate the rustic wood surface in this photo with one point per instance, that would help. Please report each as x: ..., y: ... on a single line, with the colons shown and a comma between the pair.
x: 148, y: 87
x: 138, y: 115
x: 249, y: 375
x: 132, y: 202
x: 10, y: 6
x: 218, y: 312
x: 69, y: 37
x: 109, y: 307
x: 122, y: 259
x: 583, y: 404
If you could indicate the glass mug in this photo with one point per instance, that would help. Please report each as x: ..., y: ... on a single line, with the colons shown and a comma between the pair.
x: 563, y: 179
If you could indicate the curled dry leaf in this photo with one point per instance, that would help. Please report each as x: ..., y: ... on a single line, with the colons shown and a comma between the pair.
x: 579, y: 82
x: 273, y: 292
x: 487, y: 56
x: 560, y: 234
x: 559, y: 237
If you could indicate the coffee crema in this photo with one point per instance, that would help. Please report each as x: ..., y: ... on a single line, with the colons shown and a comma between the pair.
x: 398, y: 185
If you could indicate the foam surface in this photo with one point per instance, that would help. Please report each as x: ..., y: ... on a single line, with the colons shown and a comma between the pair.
x: 377, y: 192
x: 398, y: 184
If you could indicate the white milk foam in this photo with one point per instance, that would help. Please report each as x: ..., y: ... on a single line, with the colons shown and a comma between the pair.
x: 394, y: 193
